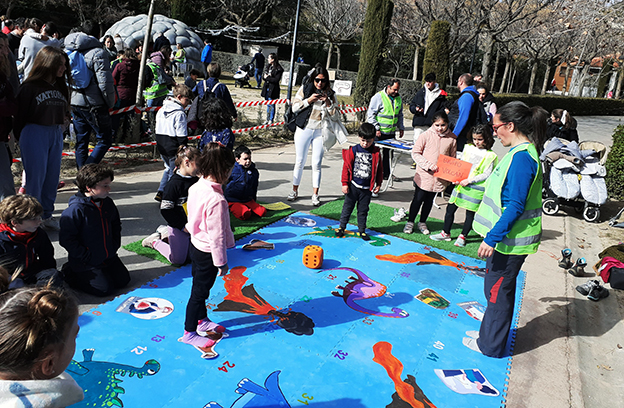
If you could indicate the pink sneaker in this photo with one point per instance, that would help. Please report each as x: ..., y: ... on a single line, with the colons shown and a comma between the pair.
x: 206, y: 325
x: 195, y: 340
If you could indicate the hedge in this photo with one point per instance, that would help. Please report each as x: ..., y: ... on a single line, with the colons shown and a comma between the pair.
x: 615, y: 165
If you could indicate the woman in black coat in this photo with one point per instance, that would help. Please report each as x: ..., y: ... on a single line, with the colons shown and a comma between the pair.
x: 271, y: 89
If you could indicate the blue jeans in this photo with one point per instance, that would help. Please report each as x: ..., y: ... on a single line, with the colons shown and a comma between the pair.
x: 169, y: 167
x: 99, y: 121
x: 258, y: 75
x: 41, y: 148
x: 270, y: 111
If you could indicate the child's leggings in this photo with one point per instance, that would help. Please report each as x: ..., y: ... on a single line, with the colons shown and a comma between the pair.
x: 450, y: 216
x: 243, y: 211
x: 177, y: 249
x: 303, y: 139
x: 424, y: 198
x: 204, y: 276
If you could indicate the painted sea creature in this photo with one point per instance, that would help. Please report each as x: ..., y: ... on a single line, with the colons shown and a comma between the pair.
x: 330, y: 232
x: 430, y: 258
x: 256, y: 396
x: 361, y: 287
x: 467, y: 382
x: 406, y: 391
x: 99, y: 379
x: 247, y: 300
x: 300, y: 221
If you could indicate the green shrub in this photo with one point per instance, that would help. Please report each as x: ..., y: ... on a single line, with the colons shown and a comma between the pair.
x: 615, y: 165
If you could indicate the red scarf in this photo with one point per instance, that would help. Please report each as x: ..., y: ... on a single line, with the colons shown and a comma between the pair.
x: 22, y: 237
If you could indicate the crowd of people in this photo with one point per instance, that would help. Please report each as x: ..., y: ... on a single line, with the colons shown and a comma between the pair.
x: 201, y: 186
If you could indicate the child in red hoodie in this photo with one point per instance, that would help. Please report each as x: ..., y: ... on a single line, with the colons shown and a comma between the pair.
x: 25, y: 249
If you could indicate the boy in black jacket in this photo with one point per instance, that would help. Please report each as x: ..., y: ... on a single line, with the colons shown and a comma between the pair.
x: 25, y: 249
x: 91, y: 234
x: 242, y: 187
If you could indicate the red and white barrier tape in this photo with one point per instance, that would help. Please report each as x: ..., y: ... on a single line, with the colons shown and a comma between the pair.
x: 257, y: 103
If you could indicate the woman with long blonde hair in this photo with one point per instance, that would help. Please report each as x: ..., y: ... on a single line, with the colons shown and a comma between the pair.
x: 43, y: 113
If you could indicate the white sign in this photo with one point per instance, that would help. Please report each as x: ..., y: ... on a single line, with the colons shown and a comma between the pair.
x: 343, y: 88
x: 285, y: 77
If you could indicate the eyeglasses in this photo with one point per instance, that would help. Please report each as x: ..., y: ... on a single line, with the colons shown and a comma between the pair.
x: 320, y: 79
x: 496, y: 127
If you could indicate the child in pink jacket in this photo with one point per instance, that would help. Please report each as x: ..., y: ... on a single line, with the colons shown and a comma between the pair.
x: 211, y: 236
x: 437, y: 140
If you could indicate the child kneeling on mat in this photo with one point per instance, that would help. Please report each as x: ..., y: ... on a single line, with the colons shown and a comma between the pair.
x: 91, y: 234
x: 242, y: 187
x: 361, y: 177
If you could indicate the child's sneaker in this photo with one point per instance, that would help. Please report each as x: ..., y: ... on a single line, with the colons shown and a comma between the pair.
x: 340, y: 232
x: 442, y: 236
x: 195, y: 340
x: 587, y: 287
x: 422, y: 227
x: 293, y: 195
x: 597, y: 293
x: 206, y: 325
x: 409, y: 227
x: 399, y: 215
x: 364, y: 236
x: 163, y: 230
x: 149, y: 241
x: 461, y: 241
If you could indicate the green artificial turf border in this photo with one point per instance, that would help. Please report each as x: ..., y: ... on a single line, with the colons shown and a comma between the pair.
x: 241, y: 229
x: 379, y: 220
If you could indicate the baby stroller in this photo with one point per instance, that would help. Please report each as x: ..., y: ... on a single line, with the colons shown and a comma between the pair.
x: 242, y: 75
x: 574, y: 176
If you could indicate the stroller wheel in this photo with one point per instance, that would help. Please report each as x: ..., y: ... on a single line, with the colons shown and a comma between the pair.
x: 591, y: 214
x: 550, y: 206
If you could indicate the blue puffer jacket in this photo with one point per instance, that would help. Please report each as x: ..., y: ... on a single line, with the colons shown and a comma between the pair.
x: 243, y: 184
x: 91, y: 234
x: 101, y: 90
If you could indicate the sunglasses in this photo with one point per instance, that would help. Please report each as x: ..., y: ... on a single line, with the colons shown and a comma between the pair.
x: 320, y: 80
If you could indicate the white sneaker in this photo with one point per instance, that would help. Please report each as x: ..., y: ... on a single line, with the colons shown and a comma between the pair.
x: 163, y: 230
x: 473, y: 333
x: 422, y: 227
x: 471, y: 343
x: 149, y: 241
x: 442, y: 236
x: 399, y: 215
x: 315, y: 200
x: 293, y: 195
x: 461, y: 241
x: 409, y: 227
x: 375, y: 195
x: 50, y: 224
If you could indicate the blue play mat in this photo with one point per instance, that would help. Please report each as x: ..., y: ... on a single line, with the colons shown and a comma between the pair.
x: 380, y: 325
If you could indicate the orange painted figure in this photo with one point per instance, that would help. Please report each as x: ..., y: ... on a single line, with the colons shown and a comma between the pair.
x: 429, y: 258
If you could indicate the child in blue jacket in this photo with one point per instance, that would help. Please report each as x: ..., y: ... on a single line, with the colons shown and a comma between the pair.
x: 242, y: 187
x: 91, y: 234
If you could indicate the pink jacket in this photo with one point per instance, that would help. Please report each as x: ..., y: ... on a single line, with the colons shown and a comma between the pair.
x: 427, y: 148
x: 209, y: 220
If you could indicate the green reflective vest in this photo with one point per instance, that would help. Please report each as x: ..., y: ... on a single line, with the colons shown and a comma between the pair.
x: 470, y: 196
x: 525, y: 235
x: 388, y: 118
x: 159, y: 85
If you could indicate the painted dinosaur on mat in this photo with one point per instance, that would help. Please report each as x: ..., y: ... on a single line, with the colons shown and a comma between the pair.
x: 256, y: 396
x: 361, y: 287
x: 99, y: 379
x: 330, y: 232
x: 429, y: 258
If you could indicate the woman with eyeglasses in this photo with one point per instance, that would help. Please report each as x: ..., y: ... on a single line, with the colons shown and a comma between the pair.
x: 312, y: 102
x: 510, y: 219
x: 271, y: 88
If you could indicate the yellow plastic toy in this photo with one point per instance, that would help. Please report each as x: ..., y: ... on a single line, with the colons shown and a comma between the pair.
x: 313, y: 256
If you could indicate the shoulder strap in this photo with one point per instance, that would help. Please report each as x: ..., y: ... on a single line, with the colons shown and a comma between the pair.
x: 215, y: 87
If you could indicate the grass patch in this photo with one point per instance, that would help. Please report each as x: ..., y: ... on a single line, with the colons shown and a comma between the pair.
x: 379, y: 220
x: 241, y: 229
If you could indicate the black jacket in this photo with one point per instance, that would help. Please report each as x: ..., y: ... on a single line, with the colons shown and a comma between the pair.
x: 271, y: 87
x: 561, y: 132
x: 425, y: 118
x: 33, y: 254
x: 91, y: 234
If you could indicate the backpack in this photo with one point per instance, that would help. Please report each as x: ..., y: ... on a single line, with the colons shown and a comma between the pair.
x: 197, y: 107
x: 81, y: 74
x: 481, y: 117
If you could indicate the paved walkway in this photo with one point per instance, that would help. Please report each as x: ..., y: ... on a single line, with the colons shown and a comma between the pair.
x: 568, y: 349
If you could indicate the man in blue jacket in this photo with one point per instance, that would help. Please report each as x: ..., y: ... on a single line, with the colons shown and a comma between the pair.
x: 463, y: 114
x: 206, y: 55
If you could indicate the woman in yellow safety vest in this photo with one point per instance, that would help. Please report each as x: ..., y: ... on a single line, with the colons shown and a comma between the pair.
x: 510, y: 219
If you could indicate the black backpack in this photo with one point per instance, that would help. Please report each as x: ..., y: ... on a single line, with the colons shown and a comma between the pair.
x: 197, y: 107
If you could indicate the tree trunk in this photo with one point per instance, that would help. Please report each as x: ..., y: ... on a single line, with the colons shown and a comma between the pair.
x: 487, y: 56
x: 495, y: 69
x: 337, y: 57
x: 532, y: 79
x: 239, y: 43
x: 618, y: 88
x: 546, y: 75
x: 505, y: 75
x: 329, y: 55
x: 415, y: 70
x: 513, y: 78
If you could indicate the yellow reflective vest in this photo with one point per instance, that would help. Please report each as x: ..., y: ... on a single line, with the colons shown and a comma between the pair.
x: 470, y: 196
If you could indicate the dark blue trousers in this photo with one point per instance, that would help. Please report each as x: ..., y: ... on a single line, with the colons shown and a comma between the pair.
x: 363, y: 198
x: 204, y: 276
x: 500, y: 292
